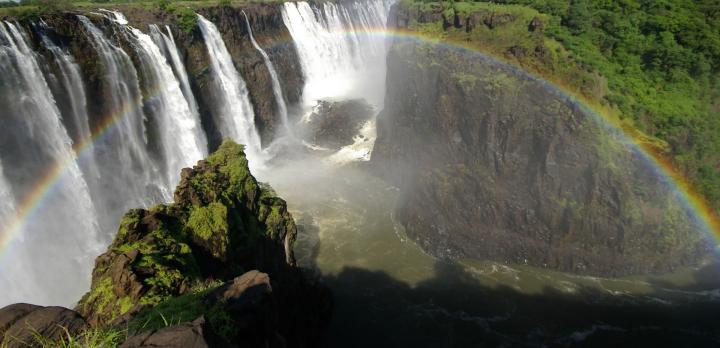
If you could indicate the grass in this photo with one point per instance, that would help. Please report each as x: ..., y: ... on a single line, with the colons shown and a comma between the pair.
x: 96, y: 338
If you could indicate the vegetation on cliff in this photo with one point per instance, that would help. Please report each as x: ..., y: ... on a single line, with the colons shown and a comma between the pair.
x: 215, y: 230
x: 199, y: 268
x: 653, y: 63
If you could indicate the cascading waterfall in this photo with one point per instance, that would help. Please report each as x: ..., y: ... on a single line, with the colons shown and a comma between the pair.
x: 277, y: 89
x: 128, y: 172
x: 7, y: 202
x: 72, y: 85
x: 236, y: 115
x: 132, y: 148
x: 167, y: 42
x: 341, y: 54
x: 180, y: 132
x: 181, y: 141
x: 57, y: 250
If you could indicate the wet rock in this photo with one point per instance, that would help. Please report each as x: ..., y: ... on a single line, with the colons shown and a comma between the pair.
x: 333, y: 125
x: 24, y: 325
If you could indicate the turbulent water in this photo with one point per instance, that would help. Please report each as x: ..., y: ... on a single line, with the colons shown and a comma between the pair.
x: 126, y: 162
x: 7, y: 203
x: 179, y: 128
x: 236, y: 113
x: 32, y: 127
x: 340, y: 51
x: 167, y: 42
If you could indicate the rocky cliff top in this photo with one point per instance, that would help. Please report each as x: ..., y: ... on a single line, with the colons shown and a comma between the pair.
x: 219, y: 259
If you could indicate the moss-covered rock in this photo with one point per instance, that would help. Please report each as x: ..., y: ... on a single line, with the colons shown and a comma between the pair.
x: 223, y: 223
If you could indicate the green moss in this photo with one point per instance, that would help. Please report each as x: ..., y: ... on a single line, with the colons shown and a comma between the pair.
x: 125, y: 305
x: 128, y: 220
x: 101, y: 295
x: 209, y: 221
x: 176, y: 310
x: 467, y: 81
x: 187, y: 19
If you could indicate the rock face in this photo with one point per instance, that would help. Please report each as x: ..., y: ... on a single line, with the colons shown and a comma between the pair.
x: 333, y: 125
x: 26, y: 325
x: 493, y: 164
x: 174, y: 258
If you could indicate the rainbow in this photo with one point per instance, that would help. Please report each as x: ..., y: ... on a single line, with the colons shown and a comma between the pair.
x: 693, y: 202
x: 33, y: 202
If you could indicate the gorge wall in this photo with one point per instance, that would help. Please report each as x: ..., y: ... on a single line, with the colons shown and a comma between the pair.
x: 495, y: 164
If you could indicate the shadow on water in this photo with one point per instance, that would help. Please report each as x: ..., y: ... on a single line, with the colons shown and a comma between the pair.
x: 389, y: 294
x: 453, y: 310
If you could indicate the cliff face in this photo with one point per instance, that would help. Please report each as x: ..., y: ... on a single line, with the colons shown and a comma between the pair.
x: 493, y: 164
x: 268, y: 29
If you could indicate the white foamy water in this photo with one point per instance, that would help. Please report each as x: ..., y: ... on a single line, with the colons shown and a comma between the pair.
x: 237, y: 117
x: 55, y: 248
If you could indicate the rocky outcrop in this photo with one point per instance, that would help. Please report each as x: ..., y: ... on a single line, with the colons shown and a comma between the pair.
x: 174, y: 258
x: 26, y: 325
x: 493, y: 164
x: 333, y: 125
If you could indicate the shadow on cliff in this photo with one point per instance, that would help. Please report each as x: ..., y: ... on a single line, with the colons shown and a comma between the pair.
x: 453, y: 310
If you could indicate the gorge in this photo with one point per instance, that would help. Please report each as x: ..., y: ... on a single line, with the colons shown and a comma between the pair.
x: 444, y: 197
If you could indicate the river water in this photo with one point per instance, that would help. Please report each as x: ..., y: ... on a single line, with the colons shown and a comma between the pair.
x: 389, y: 293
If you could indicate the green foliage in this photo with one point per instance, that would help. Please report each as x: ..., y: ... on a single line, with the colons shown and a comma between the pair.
x: 655, y: 62
x: 94, y: 337
x: 183, y: 309
x: 187, y: 19
x: 50, y: 6
x: 210, y: 223
x: 163, y: 4
x: 209, y: 220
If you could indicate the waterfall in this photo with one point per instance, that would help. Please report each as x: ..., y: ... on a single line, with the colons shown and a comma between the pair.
x: 131, y: 177
x: 57, y: 242
x: 72, y: 85
x: 236, y: 116
x: 167, y: 42
x: 277, y: 89
x: 180, y: 133
x: 7, y: 201
x: 340, y: 51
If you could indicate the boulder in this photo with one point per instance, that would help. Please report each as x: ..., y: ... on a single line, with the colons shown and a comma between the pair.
x: 333, y: 125
x: 194, y: 334
x: 25, y: 325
